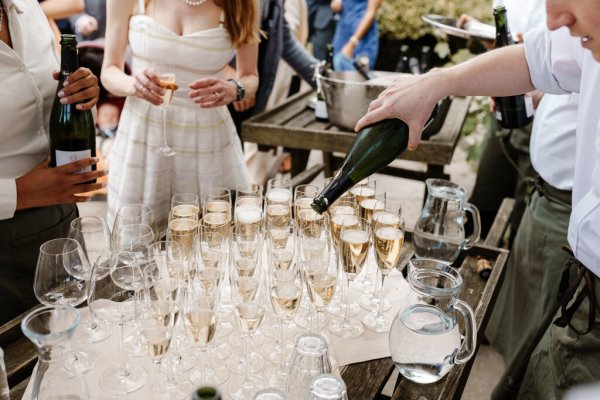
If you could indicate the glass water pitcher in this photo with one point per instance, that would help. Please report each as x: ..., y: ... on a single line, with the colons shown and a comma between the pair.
x: 425, y: 339
x: 439, y: 233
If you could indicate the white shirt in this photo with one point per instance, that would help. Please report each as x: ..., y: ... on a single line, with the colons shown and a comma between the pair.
x: 558, y: 64
x: 28, y: 92
x: 552, y: 143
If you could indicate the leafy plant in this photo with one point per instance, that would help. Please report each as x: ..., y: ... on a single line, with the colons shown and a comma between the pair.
x: 401, y: 19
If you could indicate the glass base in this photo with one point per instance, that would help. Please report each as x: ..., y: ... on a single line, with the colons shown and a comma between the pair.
x: 278, y: 377
x: 220, y: 349
x: 371, y: 303
x: 241, y: 389
x: 270, y: 328
x: 180, y: 362
x: 339, y: 308
x: 84, y: 360
x: 348, y: 329
x: 87, y: 334
x: 236, y: 341
x: 224, y: 329
x: 382, y: 324
x: 173, y: 391
x: 235, y: 365
x: 133, y: 346
x: 118, y: 382
x: 209, y: 377
x: 364, y: 285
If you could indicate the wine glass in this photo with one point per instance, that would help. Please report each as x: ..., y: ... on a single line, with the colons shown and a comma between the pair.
x: 388, y: 241
x: 62, y: 275
x: 303, y: 197
x: 93, y: 235
x: 184, y: 231
x: 249, y: 315
x: 355, y: 238
x: 365, y: 192
x: 167, y: 81
x: 285, y: 292
x: 114, y: 299
x: 157, y: 321
x: 248, y: 206
x: 135, y: 214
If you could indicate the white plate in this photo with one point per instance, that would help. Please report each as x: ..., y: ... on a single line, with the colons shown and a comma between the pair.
x: 471, y: 30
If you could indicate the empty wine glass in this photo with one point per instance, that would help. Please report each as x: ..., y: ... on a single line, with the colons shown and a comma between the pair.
x: 355, y: 239
x: 133, y: 214
x: 62, y: 275
x: 114, y: 300
x: 167, y: 81
x: 93, y: 235
x: 311, y: 358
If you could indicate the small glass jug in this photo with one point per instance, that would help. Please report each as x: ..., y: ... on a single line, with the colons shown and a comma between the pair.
x: 56, y: 377
x: 425, y: 340
x: 439, y: 233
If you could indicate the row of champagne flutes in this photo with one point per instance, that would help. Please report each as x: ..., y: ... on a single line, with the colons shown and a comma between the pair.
x: 135, y: 232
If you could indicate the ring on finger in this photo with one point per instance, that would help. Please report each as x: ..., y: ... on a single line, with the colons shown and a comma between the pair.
x: 217, y: 96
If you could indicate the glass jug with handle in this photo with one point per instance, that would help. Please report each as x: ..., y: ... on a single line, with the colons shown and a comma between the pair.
x: 425, y: 339
x: 439, y: 233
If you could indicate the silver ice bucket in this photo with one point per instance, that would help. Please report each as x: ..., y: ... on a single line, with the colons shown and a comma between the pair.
x: 348, y: 95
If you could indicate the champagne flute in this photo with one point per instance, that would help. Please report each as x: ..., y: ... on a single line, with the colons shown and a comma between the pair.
x: 157, y: 320
x: 62, y: 275
x: 185, y: 205
x: 249, y: 315
x: 93, y: 235
x: 114, y: 300
x: 303, y: 197
x: 278, y: 201
x: 285, y: 292
x: 355, y: 240
x: 388, y: 247
x: 365, y: 192
x: 166, y: 80
x: 321, y: 281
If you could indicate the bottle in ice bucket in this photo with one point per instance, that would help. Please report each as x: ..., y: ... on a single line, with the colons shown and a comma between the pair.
x: 324, y: 70
x: 511, y: 111
x: 374, y: 147
x: 206, y: 393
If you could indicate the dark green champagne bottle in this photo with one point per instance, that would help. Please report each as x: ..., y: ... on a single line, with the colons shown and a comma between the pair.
x: 403, y: 60
x: 206, y: 393
x: 374, y: 147
x: 512, y: 111
x: 72, y: 131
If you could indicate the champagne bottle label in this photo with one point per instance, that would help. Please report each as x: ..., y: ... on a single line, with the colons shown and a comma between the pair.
x: 66, y: 157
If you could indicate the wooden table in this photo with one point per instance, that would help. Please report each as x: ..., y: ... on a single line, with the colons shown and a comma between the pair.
x: 293, y: 125
x: 364, y: 380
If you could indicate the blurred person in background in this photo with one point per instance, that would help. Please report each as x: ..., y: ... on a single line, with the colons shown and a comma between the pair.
x: 195, y: 40
x: 37, y: 203
x: 91, y: 24
x: 321, y: 26
x: 356, y: 33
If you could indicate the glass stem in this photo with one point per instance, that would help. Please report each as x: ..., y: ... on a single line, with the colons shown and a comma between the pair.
x: 347, y: 313
x: 247, y: 355
x: 282, y: 343
x: 170, y: 376
x: 163, y: 109
x: 203, y: 365
x: 380, y: 311
x: 124, y: 371
x: 314, y: 325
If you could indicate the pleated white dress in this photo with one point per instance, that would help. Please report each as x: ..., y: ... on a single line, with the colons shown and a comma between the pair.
x: 209, y: 152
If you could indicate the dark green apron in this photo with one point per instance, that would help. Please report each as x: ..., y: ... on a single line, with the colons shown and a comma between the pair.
x: 20, y: 241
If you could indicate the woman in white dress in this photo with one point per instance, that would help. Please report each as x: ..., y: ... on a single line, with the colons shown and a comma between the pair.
x: 196, y: 39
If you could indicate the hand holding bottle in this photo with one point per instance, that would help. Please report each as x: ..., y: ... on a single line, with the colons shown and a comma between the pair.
x: 45, y: 186
x: 411, y: 99
x: 80, y: 87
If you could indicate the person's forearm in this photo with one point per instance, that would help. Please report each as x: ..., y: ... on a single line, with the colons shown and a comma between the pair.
x: 250, y: 82
x: 116, y: 81
x: 58, y: 9
x: 502, y: 72
x: 297, y: 57
x: 363, y: 26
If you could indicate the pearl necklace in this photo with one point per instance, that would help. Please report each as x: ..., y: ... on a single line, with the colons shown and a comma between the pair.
x: 194, y: 3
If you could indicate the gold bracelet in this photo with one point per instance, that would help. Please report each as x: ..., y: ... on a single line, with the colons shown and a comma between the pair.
x: 354, y: 40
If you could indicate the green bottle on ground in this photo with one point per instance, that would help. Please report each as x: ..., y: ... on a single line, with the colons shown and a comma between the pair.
x: 206, y: 393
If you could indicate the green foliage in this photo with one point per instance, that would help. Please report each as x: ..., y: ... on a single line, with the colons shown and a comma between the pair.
x: 401, y: 19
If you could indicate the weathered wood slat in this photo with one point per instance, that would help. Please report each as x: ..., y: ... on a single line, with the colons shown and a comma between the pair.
x: 18, y: 391
x: 293, y: 125
x: 307, y: 176
x: 500, y: 224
